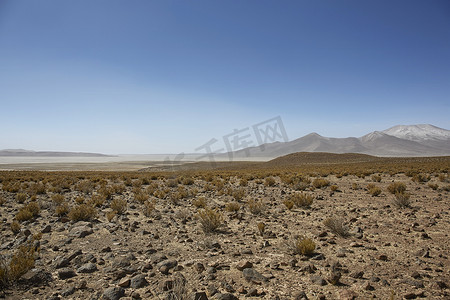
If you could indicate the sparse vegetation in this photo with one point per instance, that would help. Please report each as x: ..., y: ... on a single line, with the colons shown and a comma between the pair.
x: 258, y: 226
x: 302, y: 200
x: 232, y: 207
x: 396, y: 187
x: 319, y: 183
x: 28, y: 212
x: 199, y: 202
x: 83, y: 212
x: 149, y: 207
x: 210, y: 220
x: 21, y: 197
x: 289, y: 204
x: 20, y: 263
x: 337, y: 226
x: 261, y: 228
x: 302, y: 245
x: 256, y: 207
x: 402, y: 200
x: 119, y: 205
x: 269, y: 181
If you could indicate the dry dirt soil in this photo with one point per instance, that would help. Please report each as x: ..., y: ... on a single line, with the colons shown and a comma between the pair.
x: 389, y: 253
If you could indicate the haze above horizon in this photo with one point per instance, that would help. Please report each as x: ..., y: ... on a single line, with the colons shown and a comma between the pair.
x: 168, y: 76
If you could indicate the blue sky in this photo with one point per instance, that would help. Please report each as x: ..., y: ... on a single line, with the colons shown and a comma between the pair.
x: 167, y: 76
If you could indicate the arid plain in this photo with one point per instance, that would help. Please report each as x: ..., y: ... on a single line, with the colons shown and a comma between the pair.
x: 304, y: 226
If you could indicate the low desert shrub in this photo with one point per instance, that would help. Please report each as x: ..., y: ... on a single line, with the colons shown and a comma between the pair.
x: 28, y: 212
x: 337, y: 226
x: 83, y: 212
x: 210, y: 220
x: 420, y: 178
x: 376, y: 178
x: 238, y: 194
x: 58, y: 199
x: 172, y: 183
x: 97, y: 200
x: 396, y: 187
x: 119, y: 205
x: 21, y: 262
x: 188, y: 181
x: 300, y: 186
x: 232, y: 207
x: 15, y: 227
x: 269, y: 181
x: 302, y: 199
x: 256, y: 207
x: 319, y: 183
x: 261, y: 227
x: 21, y: 197
x: 149, y: 207
x: 289, y: 204
x: 141, y: 197
x: 62, y: 209
x: 302, y: 245
x: 374, y: 191
x: 402, y: 200
x: 199, y: 202
x: 85, y: 186
x: 110, y: 215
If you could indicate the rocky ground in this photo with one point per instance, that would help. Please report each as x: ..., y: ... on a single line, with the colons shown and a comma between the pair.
x: 390, y: 252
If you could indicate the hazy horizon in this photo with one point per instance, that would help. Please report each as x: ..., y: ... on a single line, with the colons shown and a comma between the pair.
x: 167, y: 77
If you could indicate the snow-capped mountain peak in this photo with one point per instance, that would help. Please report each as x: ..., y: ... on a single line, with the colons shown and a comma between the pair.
x: 418, y: 132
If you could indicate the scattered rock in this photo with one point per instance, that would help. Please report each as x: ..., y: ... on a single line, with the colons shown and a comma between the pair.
x: 87, y: 268
x: 318, y: 280
x: 113, y: 293
x: 254, y: 276
x: 66, y: 273
x: 80, y: 231
x: 138, y: 281
x: 244, y: 265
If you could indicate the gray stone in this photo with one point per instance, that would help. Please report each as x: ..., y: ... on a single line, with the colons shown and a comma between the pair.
x: 36, y: 276
x: 80, y: 231
x: 67, y: 292
x: 66, y: 273
x: 60, y: 262
x: 113, y: 293
x: 87, y: 268
x: 318, y: 280
x: 226, y: 296
x: 138, y: 281
x: 252, y: 275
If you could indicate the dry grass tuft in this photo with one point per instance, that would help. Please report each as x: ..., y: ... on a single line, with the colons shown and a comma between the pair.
x: 396, y: 187
x: 302, y: 199
x: 302, y: 245
x: 210, y: 220
x: 83, y: 212
x: 337, y: 226
x: 402, y: 200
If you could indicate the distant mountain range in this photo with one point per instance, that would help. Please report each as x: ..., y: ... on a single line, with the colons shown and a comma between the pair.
x: 397, y: 141
x: 30, y: 153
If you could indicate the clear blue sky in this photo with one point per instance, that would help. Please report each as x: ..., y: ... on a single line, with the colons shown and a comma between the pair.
x: 167, y: 76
